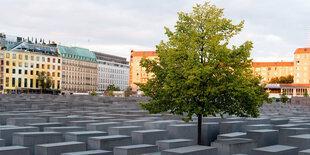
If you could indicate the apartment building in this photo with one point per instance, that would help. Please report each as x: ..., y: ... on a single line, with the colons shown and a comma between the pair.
x: 269, y: 70
x: 79, y: 70
x: 137, y: 73
x: 112, y: 70
x: 1, y: 71
x: 302, y: 66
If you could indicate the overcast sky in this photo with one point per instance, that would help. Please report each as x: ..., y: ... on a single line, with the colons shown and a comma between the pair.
x: 277, y: 27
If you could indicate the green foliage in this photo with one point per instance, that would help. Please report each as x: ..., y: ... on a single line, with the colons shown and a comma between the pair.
x: 196, y: 73
x: 45, y: 82
x: 306, y: 93
x: 283, y: 97
x: 282, y: 79
x: 110, y: 93
x: 112, y: 87
x: 127, y: 92
x: 93, y: 93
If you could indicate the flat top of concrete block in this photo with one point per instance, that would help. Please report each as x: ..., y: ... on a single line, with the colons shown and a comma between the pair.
x: 174, y: 140
x: 263, y: 130
x: 259, y: 118
x: 258, y: 125
x: 109, y: 137
x: 189, y: 149
x: 234, y: 140
x: 287, y: 125
x: 12, y: 148
x: 85, y: 132
x: 232, y: 122
x: 86, y: 152
x: 213, y: 123
x: 82, y: 121
x: 18, y: 127
x: 60, y: 144
x: 164, y: 121
x: 303, y: 136
x: 276, y: 119
x: 295, y: 129
x: 154, y: 153
x: 66, y: 127
x: 233, y: 134
x: 135, y: 146
x: 50, y: 123
x: 130, y: 121
x: 37, y: 133
x: 104, y: 123
x: 275, y: 148
x: 181, y: 125
x: 150, y: 131
x: 305, y: 151
x: 125, y: 127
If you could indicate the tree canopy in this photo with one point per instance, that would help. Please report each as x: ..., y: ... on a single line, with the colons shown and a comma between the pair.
x: 282, y: 79
x: 45, y: 81
x: 197, y: 73
x: 112, y: 87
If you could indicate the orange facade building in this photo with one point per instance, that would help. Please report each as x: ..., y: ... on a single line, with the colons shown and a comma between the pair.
x: 137, y: 73
x: 302, y: 65
x: 270, y: 70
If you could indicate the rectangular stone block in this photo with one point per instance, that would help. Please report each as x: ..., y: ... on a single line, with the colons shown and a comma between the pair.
x: 234, y: 146
x: 279, y: 121
x: 5, y: 116
x: 58, y: 148
x: 258, y: 126
x: 91, y: 152
x: 108, y: 142
x: 209, y: 132
x: 275, y: 150
x: 14, y: 150
x: 232, y: 126
x: 101, y: 126
x: 191, y: 150
x: 82, y: 136
x: 284, y: 133
x: 123, y: 130
x: 173, y: 143
x: 300, y: 141
x: 232, y: 135
x: 30, y: 139
x: 7, y: 133
x: 260, y: 120
x: 135, y: 149
x: 185, y: 131
x: 148, y: 136
x: 159, y: 124
x: 135, y: 122
x: 82, y: 123
x: 41, y: 126
x: 304, y: 152
x: 263, y: 137
x: 24, y: 121
x: 278, y: 127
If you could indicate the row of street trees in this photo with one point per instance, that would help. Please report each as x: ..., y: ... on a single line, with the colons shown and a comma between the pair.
x: 282, y: 79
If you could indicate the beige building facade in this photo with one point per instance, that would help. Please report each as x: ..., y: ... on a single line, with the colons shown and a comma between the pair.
x: 302, y: 66
x: 269, y: 70
x: 79, y: 70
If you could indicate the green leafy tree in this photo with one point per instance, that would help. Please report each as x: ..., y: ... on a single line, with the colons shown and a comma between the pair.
x: 306, y: 93
x: 196, y: 73
x: 127, y: 92
x: 112, y: 87
x: 283, y: 97
x: 93, y: 93
x: 45, y: 82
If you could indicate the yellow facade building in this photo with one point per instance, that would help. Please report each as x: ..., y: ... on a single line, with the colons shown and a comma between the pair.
x: 302, y: 66
x: 269, y: 70
x: 137, y: 73
x: 21, y: 71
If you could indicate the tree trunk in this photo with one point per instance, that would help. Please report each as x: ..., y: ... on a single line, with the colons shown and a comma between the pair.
x: 199, y: 129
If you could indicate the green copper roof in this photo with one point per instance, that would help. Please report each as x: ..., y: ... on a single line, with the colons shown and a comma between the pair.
x: 77, y: 53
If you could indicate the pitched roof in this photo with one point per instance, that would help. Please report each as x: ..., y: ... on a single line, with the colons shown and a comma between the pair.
x: 77, y: 53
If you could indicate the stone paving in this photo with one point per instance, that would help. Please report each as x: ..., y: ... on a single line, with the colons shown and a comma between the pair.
x: 86, y: 125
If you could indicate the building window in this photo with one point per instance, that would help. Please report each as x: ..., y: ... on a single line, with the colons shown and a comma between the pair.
x: 7, y: 70
x: 38, y: 65
x: 43, y: 59
x: 7, y: 81
x: 25, y: 82
x: 58, y: 67
x: 54, y: 60
x: 7, y: 55
x: 26, y: 57
x: 48, y: 66
x: 37, y: 72
x: 26, y: 64
x: 38, y: 58
x: 20, y: 64
x: 32, y: 58
x: 59, y: 61
x: 13, y: 71
x: 31, y: 72
x: 19, y: 71
x: 48, y: 59
x: 13, y: 63
x: 13, y: 82
x: 26, y: 72
x: 53, y: 67
x: 31, y: 83
x: 20, y: 56
x: 37, y: 83
x: 42, y: 66
x: 19, y: 82
x: 14, y: 56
